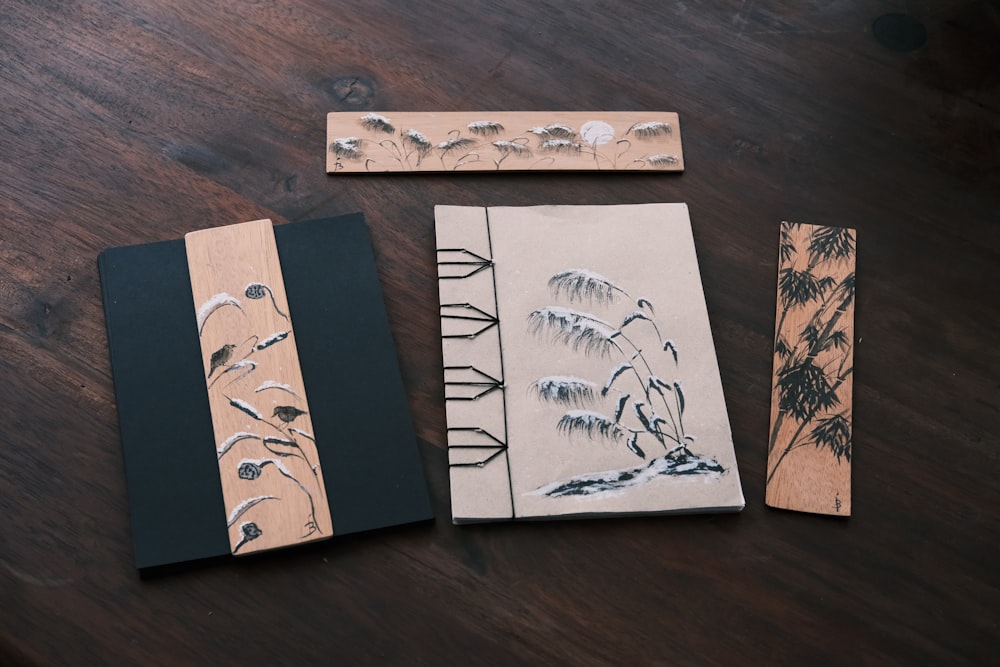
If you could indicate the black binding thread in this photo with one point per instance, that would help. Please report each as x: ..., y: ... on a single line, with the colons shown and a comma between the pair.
x: 491, y: 383
x: 479, y: 315
x: 481, y: 263
x: 471, y: 313
x: 500, y: 447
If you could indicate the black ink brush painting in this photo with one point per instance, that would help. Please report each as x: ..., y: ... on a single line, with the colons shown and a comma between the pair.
x: 810, y: 443
x: 580, y: 373
x: 461, y: 141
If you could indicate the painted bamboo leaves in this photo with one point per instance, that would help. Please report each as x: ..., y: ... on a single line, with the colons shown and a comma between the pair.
x: 375, y: 142
x: 813, y: 346
x: 634, y: 406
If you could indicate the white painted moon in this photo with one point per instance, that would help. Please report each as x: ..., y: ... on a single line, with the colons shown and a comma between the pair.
x: 597, y: 132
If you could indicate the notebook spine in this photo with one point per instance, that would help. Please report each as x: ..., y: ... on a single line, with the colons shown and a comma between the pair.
x: 475, y: 391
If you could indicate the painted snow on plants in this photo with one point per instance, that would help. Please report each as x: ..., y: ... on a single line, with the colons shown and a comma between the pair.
x: 589, y: 360
x: 269, y: 451
x: 375, y: 142
x: 639, y: 403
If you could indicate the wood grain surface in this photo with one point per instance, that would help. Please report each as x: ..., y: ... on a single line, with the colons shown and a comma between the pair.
x: 269, y: 466
x: 135, y: 122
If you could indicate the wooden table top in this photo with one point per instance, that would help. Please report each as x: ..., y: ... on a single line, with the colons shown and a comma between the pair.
x: 134, y: 122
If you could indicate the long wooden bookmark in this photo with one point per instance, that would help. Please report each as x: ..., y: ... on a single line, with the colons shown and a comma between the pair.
x: 503, y: 141
x: 272, y: 480
x: 810, y: 448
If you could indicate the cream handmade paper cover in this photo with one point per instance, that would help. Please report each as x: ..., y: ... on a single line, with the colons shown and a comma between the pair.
x: 580, y: 374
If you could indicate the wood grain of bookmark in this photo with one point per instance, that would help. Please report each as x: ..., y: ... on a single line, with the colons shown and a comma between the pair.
x: 503, y: 141
x: 810, y: 443
x: 272, y: 480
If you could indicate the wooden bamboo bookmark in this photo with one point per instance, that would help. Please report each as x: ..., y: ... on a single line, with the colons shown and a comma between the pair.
x: 503, y: 141
x: 809, y: 450
x: 272, y: 481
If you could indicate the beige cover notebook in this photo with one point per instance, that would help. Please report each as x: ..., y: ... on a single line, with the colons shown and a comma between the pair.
x: 580, y: 374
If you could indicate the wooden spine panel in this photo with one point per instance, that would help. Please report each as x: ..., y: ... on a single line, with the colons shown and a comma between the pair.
x: 272, y: 480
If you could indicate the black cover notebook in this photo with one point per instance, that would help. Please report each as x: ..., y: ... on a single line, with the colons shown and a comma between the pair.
x: 361, y: 419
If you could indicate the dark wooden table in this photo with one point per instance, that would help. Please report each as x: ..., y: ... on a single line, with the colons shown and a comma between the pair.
x: 130, y: 122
